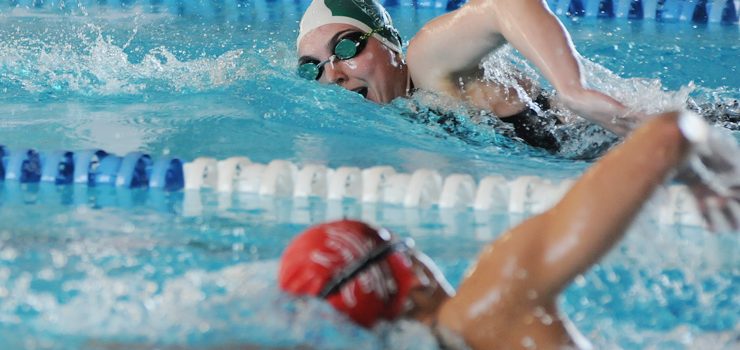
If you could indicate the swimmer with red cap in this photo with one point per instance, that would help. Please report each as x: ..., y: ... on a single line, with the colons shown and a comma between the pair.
x: 508, y: 299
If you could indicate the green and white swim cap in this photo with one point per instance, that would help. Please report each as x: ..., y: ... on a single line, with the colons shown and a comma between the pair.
x: 366, y: 15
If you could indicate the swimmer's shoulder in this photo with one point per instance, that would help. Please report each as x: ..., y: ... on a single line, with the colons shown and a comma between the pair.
x: 423, y: 67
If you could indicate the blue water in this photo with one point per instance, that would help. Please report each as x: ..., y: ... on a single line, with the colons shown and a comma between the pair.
x: 114, y: 268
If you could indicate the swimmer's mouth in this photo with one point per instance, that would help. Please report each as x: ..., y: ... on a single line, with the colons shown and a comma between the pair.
x: 362, y: 91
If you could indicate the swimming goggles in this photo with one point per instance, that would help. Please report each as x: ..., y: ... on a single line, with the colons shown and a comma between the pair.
x: 375, y: 256
x: 347, y: 48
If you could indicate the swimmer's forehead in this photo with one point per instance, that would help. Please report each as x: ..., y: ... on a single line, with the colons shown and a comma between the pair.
x: 321, y: 41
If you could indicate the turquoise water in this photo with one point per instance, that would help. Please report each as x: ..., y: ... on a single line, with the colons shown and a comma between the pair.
x: 113, y: 268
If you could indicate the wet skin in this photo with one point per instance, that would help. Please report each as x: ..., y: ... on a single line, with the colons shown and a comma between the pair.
x: 386, y: 74
x: 378, y: 73
x: 445, y: 56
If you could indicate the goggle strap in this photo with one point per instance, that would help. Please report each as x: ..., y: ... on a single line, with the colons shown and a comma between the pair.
x: 347, y: 274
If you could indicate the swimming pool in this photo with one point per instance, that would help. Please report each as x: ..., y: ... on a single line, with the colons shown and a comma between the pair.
x: 113, y: 268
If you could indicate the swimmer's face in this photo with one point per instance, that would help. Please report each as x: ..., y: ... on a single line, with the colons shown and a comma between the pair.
x: 429, y: 291
x: 377, y: 73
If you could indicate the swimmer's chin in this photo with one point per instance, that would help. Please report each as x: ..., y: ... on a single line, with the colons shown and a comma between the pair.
x: 382, y: 100
x: 374, y: 96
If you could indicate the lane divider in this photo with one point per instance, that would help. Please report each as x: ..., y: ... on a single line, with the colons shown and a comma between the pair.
x: 423, y: 188
x: 693, y: 11
x: 92, y: 168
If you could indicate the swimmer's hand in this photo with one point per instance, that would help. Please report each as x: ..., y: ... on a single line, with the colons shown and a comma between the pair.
x: 603, y: 110
x: 721, y: 212
x: 712, y: 173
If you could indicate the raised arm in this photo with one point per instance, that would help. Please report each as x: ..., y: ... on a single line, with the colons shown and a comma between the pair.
x: 566, y: 240
x: 526, y: 268
x: 454, y: 45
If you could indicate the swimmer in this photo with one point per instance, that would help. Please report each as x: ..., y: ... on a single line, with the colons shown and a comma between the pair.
x: 354, y: 44
x: 508, y: 298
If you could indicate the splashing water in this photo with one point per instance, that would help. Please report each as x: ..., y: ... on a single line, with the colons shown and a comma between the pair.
x: 581, y: 139
x: 98, y: 66
x: 84, y: 268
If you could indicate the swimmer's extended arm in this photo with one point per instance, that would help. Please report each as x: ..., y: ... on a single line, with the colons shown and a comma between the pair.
x: 569, y: 238
x: 531, y: 264
x: 452, y: 46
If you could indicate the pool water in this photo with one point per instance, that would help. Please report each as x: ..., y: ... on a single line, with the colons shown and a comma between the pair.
x: 115, y: 268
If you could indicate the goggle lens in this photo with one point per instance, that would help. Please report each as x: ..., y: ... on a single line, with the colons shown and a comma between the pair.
x: 346, y: 49
x: 309, y: 71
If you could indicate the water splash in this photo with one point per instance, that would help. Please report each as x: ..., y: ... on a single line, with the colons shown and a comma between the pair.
x: 98, y: 65
x: 580, y: 139
x: 646, y: 95
x: 110, y: 277
x: 103, y: 261
x: 237, y: 305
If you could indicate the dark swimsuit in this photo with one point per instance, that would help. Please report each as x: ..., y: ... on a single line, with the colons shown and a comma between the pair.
x: 536, y: 129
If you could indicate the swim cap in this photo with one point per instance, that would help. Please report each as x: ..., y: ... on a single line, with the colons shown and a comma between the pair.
x: 322, y: 252
x: 363, y: 14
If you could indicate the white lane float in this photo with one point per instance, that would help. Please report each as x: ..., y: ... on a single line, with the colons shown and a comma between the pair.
x: 312, y: 181
x: 230, y: 171
x: 423, y: 188
x: 201, y: 173
x: 278, y: 179
x: 345, y: 182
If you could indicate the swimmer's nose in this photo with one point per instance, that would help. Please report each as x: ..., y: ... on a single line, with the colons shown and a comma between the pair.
x: 335, y: 73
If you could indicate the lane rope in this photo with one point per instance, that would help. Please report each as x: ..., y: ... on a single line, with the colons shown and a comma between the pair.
x: 424, y: 188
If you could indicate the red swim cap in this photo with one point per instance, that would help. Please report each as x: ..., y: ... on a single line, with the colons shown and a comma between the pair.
x: 324, y: 251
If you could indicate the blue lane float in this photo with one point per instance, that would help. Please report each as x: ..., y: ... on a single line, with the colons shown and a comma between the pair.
x: 700, y: 12
x: 135, y: 170
x: 107, y: 171
x: 454, y: 4
x: 696, y: 11
x: 167, y: 174
x: 86, y: 164
x: 606, y: 9
x: 2, y: 162
x: 729, y: 12
x: 576, y: 8
x: 637, y: 10
x: 91, y: 168
x: 23, y: 166
x: 57, y: 167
